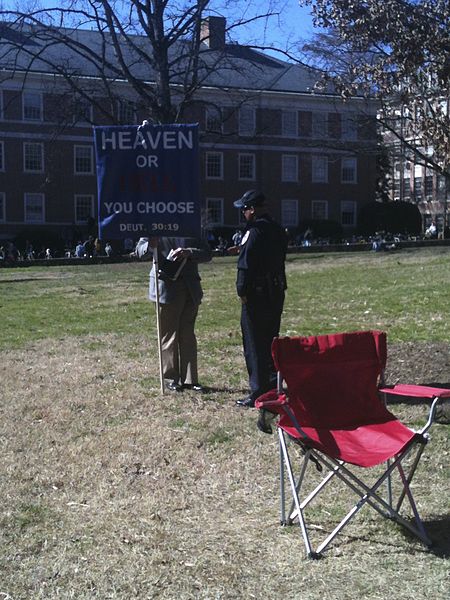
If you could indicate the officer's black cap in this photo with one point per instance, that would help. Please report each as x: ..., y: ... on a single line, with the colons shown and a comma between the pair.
x: 251, y: 198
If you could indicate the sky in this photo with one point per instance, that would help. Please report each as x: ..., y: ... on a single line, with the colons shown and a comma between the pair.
x: 293, y: 23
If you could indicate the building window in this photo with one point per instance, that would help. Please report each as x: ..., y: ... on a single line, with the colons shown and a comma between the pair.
x: 82, y: 111
x: 319, y: 169
x: 214, y: 119
x: 247, y: 121
x: 2, y: 207
x: 418, y: 187
x: 349, y: 127
x: 33, y: 157
x: 214, y: 211
x: 320, y: 124
x: 214, y: 165
x: 247, y: 166
x: 289, y: 213
x: 428, y: 185
x: 319, y: 209
x: 32, y: 106
x: 348, y: 213
x: 289, y: 167
x: 34, y: 208
x: 126, y: 112
x: 84, y: 208
x: 2, y: 156
x: 83, y: 160
x: 348, y: 170
x: 289, y: 123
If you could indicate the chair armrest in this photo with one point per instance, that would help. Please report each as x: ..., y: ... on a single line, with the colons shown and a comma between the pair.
x: 272, y: 401
x: 420, y: 391
x: 416, y: 391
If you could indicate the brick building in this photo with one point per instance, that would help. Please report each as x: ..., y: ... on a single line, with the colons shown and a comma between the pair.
x: 261, y: 126
x: 412, y: 179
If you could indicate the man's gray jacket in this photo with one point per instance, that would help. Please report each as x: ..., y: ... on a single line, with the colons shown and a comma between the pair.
x: 189, y: 276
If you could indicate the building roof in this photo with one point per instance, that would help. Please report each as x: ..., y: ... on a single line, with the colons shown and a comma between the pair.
x: 81, y: 52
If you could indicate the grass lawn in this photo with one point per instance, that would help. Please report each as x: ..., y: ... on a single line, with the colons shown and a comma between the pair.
x: 112, y: 491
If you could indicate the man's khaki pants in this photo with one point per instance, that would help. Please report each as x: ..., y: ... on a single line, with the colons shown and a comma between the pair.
x: 178, y: 341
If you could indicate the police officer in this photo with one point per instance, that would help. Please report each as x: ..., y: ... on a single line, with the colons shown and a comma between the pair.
x: 261, y: 285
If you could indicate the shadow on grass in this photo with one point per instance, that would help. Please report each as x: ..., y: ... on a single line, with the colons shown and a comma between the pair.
x: 228, y: 390
x: 439, y: 532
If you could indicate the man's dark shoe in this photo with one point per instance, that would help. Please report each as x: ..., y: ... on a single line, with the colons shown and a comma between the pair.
x: 246, y: 403
x: 174, y: 387
x: 194, y: 386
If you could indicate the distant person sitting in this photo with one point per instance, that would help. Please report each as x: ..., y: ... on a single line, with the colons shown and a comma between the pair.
x: 307, y: 237
x: 128, y: 245
x: 97, y: 247
x: 108, y: 249
x: 89, y: 247
x: 79, y: 250
x: 431, y: 231
x: 221, y: 247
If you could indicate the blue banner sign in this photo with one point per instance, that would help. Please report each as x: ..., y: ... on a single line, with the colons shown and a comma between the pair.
x: 148, y: 181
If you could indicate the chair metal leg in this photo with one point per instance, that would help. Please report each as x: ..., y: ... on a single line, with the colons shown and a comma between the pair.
x: 290, y: 474
x: 368, y: 494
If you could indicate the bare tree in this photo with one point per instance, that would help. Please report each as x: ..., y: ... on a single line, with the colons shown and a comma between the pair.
x: 159, y: 48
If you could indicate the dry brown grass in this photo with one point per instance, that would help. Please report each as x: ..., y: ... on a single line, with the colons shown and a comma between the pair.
x: 111, y: 491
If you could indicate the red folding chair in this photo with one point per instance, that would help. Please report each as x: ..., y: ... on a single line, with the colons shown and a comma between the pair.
x: 333, y: 409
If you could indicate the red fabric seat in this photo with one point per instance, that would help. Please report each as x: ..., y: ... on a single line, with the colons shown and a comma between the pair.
x: 333, y: 392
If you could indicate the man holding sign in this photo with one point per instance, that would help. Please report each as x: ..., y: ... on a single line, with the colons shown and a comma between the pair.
x: 148, y: 182
x: 180, y: 295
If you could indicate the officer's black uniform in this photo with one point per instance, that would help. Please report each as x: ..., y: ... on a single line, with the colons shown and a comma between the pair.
x: 261, y: 280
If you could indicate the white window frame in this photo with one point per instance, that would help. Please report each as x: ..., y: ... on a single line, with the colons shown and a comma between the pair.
x: 289, y: 123
x: 36, y: 145
x: 2, y: 156
x: 344, y: 205
x: 252, y: 164
x: 349, y: 168
x: 32, y: 106
x: 214, y: 119
x: 289, y: 206
x: 322, y: 203
x: 78, y: 198
x: 219, y: 208
x: 77, y: 159
x: 208, y: 157
x: 29, y: 196
x: 289, y: 167
x: 319, y: 127
x: 2, y: 207
x: 319, y: 168
x: 247, y: 121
